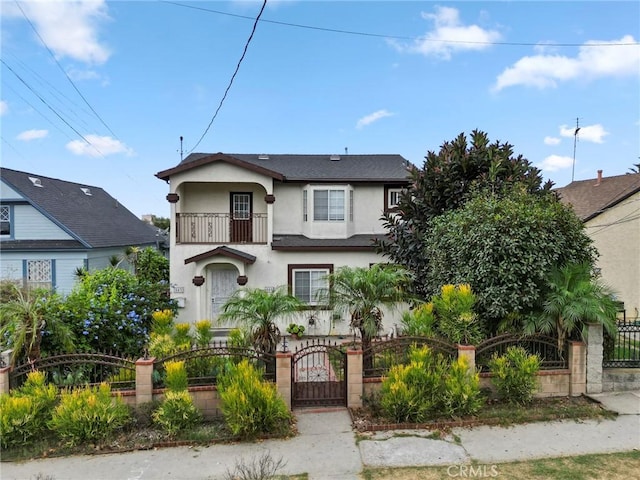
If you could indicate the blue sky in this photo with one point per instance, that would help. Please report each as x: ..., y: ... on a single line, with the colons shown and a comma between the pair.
x: 152, y: 71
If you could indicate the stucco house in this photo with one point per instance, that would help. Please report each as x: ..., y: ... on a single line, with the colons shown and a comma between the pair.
x: 49, y: 228
x: 610, y: 210
x: 270, y: 220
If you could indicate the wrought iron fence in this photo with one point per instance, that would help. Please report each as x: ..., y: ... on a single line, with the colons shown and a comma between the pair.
x: 623, y: 348
x: 79, y: 369
x: 552, y: 357
x: 381, y: 356
x: 204, y: 365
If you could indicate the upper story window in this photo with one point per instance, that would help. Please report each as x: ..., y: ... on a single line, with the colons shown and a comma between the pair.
x: 392, y: 197
x: 308, y: 282
x: 328, y: 205
x: 5, y: 220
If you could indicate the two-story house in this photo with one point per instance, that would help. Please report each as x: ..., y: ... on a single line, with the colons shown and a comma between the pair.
x: 50, y: 228
x: 270, y: 220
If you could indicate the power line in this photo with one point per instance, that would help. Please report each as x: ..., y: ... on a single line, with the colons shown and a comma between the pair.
x: 63, y: 71
x: 400, y: 37
x: 244, y: 52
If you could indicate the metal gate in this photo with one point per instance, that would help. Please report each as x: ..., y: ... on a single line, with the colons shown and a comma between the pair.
x: 319, y: 375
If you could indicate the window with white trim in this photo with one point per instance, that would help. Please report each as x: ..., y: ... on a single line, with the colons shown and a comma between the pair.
x: 308, y: 284
x: 393, y: 197
x: 39, y: 274
x: 304, y: 205
x: 5, y: 220
x: 328, y: 205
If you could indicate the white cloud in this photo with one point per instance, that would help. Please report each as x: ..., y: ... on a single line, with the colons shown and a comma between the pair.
x: 592, y: 61
x: 551, y: 140
x: 4, y: 107
x: 590, y: 133
x: 100, y: 146
x: 69, y: 28
x: 553, y: 163
x: 29, y: 135
x: 372, y: 117
x: 448, y: 36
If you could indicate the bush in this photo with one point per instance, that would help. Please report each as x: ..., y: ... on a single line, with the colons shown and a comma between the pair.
x: 89, y: 415
x: 177, y: 412
x: 176, y: 380
x: 24, y: 412
x: 419, y: 322
x: 250, y: 405
x: 514, y: 375
x: 456, y: 320
x: 462, y: 394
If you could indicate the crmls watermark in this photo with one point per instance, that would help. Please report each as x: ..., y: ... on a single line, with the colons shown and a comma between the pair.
x: 472, y: 471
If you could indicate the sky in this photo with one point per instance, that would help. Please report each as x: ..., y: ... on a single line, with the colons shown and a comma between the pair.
x: 100, y: 92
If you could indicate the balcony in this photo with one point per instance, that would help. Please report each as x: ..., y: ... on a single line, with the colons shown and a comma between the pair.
x: 220, y: 228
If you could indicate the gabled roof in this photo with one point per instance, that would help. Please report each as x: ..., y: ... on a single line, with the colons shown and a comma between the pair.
x: 306, y: 168
x: 589, y: 198
x: 223, y: 251
x: 87, y: 213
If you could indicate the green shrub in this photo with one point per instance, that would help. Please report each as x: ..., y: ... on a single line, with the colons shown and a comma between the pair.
x: 89, y: 415
x: 24, y: 412
x: 162, y: 321
x: 176, y: 380
x: 177, y: 412
x: 203, y: 334
x: 419, y: 322
x: 250, y: 405
x: 514, y: 375
x: 462, y: 394
x: 456, y: 320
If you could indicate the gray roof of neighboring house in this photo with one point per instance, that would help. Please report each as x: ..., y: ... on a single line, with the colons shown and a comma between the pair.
x: 95, y: 220
x: 380, y: 168
x: 590, y: 198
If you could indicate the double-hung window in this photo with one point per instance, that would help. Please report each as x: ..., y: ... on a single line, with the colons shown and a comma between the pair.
x: 328, y: 205
x: 309, y: 283
x: 5, y: 220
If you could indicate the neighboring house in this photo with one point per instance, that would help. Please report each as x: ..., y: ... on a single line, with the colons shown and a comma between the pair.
x: 610, y: 210
x: 49, y: 228
x: 269, y: 220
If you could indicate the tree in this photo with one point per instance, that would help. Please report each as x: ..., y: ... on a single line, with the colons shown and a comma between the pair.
x: 152, y: 266
x: 504, y: 248
x: 445, y: 182
x: 635, y: 168
x: 161, y: 222
x: 573, y: 298
x: 363, y: 291
x: 258, y: 310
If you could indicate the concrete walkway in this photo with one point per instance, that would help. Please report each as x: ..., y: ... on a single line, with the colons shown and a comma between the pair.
x: 326, y: 449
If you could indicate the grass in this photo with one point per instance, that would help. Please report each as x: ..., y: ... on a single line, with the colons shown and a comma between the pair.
x: 614, y: 466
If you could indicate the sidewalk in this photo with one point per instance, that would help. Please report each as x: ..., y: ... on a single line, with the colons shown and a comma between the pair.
x: 326, y: 448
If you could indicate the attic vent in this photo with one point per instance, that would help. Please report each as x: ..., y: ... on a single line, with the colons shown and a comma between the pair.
x: 36, y: 182
x: 263, y: 156
x: 86, y: 191
x: 334, y: 157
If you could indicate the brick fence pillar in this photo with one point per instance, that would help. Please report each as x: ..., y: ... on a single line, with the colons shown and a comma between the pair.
x: 144, y: 380
x: 594, y: 358
x: 578, y: 368
x: 355, y: 385
x: 4, y: 379
x: 468, y: 351
x: 283, y: 376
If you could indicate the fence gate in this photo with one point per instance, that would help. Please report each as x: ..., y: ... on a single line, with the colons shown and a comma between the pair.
x: 319, y: 375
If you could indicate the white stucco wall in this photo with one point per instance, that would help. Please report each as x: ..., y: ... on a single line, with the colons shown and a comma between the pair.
x: 616, y: 235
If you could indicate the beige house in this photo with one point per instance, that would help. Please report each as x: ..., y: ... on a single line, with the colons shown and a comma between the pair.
x: 610, y: 210
x: 271, y: 220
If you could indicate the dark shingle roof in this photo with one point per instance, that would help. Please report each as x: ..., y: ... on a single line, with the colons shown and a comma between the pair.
x: 96, y: 220
x: 44, y: 245
x: 302, y: 243
x: 297, y: 168
x: 589, y: 199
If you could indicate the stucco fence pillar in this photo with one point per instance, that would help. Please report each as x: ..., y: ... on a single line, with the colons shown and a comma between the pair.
x: 144, y: 380
x: 283, y: 376
x: 355, y: 383
x: 468, y: 351
x: 4, y: 379
x: 578, y: 367
x: 595, y: 338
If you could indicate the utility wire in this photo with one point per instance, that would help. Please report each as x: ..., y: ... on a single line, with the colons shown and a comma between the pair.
x: 50, y: 107
x: 400, y: 37
x: 244, y: 52
x: 63, y: 71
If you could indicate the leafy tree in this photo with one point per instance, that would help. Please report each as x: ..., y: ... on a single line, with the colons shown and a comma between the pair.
x: 445, y: 182
x: 152, y: 266
x: 258, y: 310
x: 635, y: 168
x: 504, y: 248
x: 161, y: 222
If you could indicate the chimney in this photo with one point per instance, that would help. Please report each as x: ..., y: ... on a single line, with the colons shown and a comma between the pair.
x: 599, y: 178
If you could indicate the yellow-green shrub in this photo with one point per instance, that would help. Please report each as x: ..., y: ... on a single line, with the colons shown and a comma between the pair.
x: 462, y: 394
x: 203, y: 334
x: 162, y: 321
x: 177, y: 412
x: 176, y: 379
x: 250, y: 405
x: 514, y: 375
x: 89, y: 414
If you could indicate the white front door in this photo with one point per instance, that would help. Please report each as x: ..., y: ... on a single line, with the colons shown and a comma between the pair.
x: 223, y: 281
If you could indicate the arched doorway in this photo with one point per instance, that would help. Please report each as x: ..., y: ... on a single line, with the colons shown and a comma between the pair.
x: 222, y: 282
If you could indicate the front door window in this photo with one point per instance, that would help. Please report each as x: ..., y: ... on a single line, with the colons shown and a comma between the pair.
x: 241, y: 221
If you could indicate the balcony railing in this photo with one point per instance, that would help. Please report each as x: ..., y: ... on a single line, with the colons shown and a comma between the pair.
x: 220, y: 228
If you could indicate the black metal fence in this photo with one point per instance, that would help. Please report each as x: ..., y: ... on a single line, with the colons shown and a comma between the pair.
x: 622, y: 350
x: 552, y: 357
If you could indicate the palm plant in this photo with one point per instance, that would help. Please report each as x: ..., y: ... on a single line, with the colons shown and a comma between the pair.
x: 362, y: 292
x: 573, y: 300
x: 258, y: 310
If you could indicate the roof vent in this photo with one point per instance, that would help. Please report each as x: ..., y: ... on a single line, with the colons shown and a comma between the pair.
x: 86, y: 191
x: 334, y: 158
x: 36, y: 182
x: 263, y: 156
